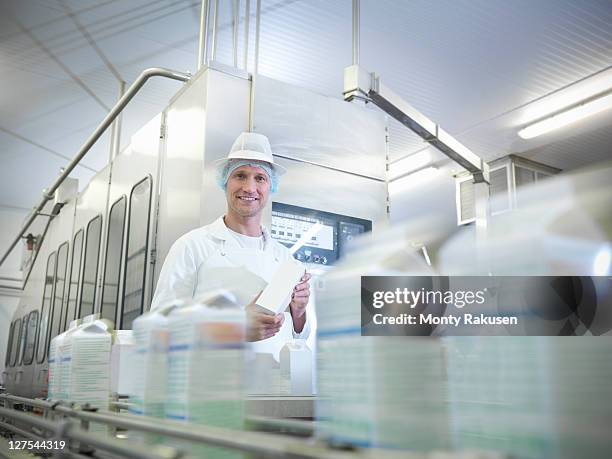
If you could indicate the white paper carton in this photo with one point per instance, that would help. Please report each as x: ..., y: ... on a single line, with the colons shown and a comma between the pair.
x: 64, y: 362
x: 122, y: 362
x: 89, y: 372
x: 148, y: 391
x: 296, y: 367
x: 277, y: 295
x: 55, y: 358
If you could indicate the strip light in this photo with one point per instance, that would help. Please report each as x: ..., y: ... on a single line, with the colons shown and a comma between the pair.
x: 567, y: 117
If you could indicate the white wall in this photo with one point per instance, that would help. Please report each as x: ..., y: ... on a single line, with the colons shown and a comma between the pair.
x: 11, y: 221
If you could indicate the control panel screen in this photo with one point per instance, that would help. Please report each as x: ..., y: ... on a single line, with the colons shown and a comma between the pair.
x: 317, y: 237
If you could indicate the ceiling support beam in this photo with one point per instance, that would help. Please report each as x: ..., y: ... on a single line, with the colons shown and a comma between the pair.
x: 359, y: 84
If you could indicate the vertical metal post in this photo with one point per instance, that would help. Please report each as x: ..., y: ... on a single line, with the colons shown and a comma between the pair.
x: 213, y: 42
x: 257, y: 23
x: 203, y: 41
x: 355, y: 32
x: 115, y: 133
x: 235, y: 11
x: 119, y: 120
x: 111, y: 146
x: 247, y: 18
x: 481, y: 199
x: 255, y: 66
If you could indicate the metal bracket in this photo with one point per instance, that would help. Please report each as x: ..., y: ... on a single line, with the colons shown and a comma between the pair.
x: 360, y: 84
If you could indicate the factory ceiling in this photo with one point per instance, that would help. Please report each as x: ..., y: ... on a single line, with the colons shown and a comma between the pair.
x: 473, y: 66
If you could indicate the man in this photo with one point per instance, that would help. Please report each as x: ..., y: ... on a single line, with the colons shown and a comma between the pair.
x: 196, y: 260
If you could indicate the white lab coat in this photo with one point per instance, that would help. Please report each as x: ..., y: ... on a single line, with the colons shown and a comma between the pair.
x: 198, y: 262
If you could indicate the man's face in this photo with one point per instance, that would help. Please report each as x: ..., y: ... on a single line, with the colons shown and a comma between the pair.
x: 247, y: 192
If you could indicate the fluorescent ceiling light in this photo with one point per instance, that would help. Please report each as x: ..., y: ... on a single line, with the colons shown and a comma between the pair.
x: 567, y: 117
x: 409, y: 163
x: 567, y: 97
x: 409, y: 181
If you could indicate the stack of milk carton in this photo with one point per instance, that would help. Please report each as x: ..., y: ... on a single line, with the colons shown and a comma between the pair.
x: 377, y: 391
x: 206, y: 366
x: 79, y: 364
x: 190, y: 365
x: 148, y: 391
x: 540, y: 396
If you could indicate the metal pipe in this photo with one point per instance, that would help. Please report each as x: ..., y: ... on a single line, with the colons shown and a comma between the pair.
x: 247, y: 20
x: 255, y: 67
x: 121, y: 405
x: 213, y: 42
x: 355, y: 32
x: 203, y: 39
x: 19, y: 431
x: 257, y: 30
x: 215, y: 436
x: 16, y: 279
x: 265, y: 444
x: 10, y: 287
x: 131, y: 452
x: 268, y: 445
x: 26, y: 401
x: 235, y: 10
x: 307, y: 427
x: 116, y: 128
x: 28, y: 419
x: 68, y: 430
x: 108, y: 119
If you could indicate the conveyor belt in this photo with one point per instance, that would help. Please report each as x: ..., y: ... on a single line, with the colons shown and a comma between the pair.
x: 258, y: 444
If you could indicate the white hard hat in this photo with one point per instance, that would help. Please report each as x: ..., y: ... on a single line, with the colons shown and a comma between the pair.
x: 256, y: 147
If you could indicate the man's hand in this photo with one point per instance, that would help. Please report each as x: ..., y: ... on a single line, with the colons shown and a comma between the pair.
x: 261, y: 325
x: 299, y: 301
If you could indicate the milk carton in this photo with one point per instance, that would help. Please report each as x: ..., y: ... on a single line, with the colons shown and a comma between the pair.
x: 64, y: 362
x: 148, y: 392
x: 377, y: 391
x: 55, y: 357
x: 89, y: 374
x: 205, y: 366
x: 122, y: 362
x: 296, y: 368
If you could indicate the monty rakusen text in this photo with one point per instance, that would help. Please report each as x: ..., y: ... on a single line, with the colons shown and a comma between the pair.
x: 413, y: 298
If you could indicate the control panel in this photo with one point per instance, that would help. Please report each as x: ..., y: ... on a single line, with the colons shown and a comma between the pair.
x: 315, y: 236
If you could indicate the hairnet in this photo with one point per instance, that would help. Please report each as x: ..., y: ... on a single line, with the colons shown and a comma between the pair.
x: 223, y: 173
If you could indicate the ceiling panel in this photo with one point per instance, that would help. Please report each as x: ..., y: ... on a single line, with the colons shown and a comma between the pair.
x: 473, y: 66
x: 28, y: 166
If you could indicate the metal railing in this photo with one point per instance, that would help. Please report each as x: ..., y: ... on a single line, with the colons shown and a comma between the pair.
x: 93, y: 138
x: 266, y: 444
